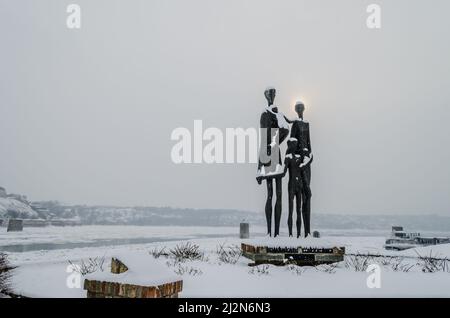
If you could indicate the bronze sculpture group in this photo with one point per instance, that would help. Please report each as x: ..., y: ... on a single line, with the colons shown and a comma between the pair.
x: 298, y: 158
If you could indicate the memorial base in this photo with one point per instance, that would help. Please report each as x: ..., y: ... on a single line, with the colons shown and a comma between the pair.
x: 302, y: 254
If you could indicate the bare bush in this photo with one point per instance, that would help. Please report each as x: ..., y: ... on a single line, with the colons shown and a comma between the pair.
x: 327, y: 268
x: 295, y: 269
x: 5, y: 273
x: 260, y: 270
x: 384, y: 261
x: 358, y: 263
x: 397, y: 265
x: 187, y: 252
x: 181, y: 269
x: 228, y: 254
x: 432, y: 264
x: 159, y: 252
x: 91, y: 265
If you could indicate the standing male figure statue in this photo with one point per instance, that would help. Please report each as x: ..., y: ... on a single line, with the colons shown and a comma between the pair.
x: 300, y: 133
x: 275, y: 129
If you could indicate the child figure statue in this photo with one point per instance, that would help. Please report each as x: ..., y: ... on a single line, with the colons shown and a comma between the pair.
x: 294, y: 162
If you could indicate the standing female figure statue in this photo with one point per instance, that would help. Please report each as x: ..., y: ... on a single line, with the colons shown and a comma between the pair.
x: 275, y: 129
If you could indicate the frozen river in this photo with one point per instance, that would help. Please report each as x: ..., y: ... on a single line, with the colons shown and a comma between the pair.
x: 54, y: 238
x: 57, y: 238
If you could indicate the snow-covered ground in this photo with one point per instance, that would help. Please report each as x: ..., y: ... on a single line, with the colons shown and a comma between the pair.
x: 43, y: 273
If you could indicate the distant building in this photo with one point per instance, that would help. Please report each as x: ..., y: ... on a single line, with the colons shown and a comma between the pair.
x: 41, y: 210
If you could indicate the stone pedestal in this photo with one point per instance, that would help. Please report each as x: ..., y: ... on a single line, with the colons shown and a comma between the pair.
x: 15, y: 225
x: 244, y: 231
x: 99, y: 289
x: 141, y: 277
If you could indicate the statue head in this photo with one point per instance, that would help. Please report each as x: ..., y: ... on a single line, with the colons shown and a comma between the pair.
x: 270, y: 93
x: 299, y: 108
x: 292, y: 145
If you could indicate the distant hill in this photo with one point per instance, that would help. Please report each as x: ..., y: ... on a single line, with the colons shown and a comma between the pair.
x: 13, y: 208
x: 108, y: 215
x: 17, y: 206
x: 156, y: 216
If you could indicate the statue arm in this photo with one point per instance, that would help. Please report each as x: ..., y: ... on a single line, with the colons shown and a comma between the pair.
x: 308, y: 162
x: 294, y: 130
x: 308, y: 140
x: 308, y: 154
x: 284, y: 132
x: 288, y: 120
x: 264, y: 120
x: 287, y: 162
x: 264, y: 123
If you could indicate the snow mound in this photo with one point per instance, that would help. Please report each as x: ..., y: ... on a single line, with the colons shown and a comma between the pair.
x: 17, y: 209
x: 438, y: 251
x: 143, y: 270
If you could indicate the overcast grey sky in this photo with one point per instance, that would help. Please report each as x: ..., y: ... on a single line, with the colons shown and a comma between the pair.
x: 86, y: 115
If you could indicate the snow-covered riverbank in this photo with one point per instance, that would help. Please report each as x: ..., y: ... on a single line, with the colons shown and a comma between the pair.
x: 44, y: 273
